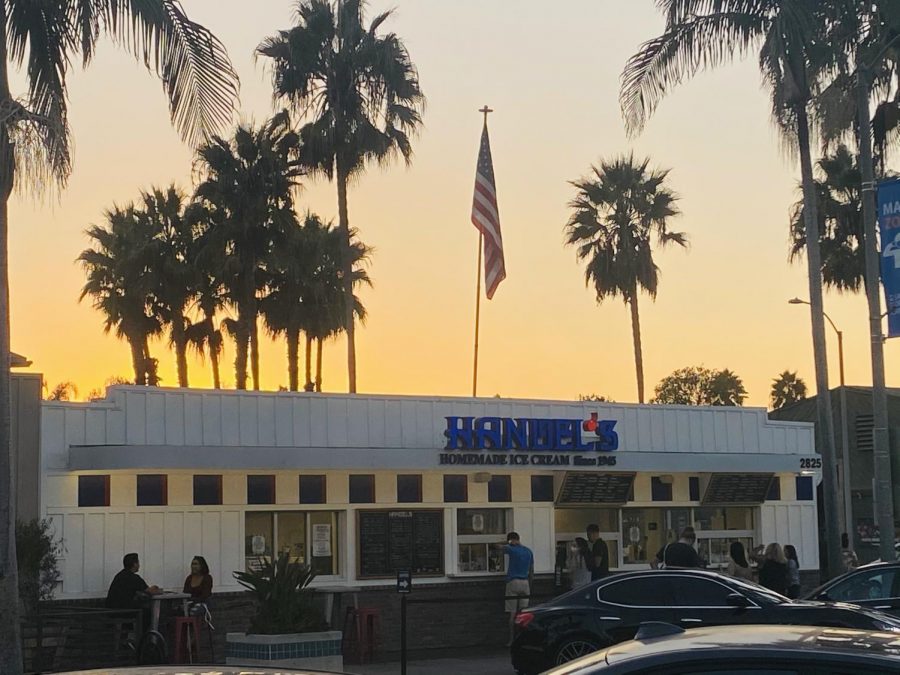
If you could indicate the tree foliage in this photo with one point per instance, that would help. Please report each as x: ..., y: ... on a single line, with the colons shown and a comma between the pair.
x: 787, y: 388
x: 37, y: 553
x: 696, y: 385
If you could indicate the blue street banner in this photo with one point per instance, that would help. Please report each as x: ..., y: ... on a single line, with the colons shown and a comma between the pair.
x: 889, y: 225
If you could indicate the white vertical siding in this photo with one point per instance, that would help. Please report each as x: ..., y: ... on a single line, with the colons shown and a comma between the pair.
x: 792, y: 523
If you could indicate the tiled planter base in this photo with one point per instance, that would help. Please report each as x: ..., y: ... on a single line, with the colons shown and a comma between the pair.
x: 297, y: 650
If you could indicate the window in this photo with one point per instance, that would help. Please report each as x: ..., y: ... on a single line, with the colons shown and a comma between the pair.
x: 152, y: 490
x: 661, y: 488
x: 456, y: 488
x: 93, y: 490
x: 477, y: 530
x: 694, y: 488
x: 409, y: 489
x: 207, y: 490
x: 500, y: 489
x: 646, y: 531
x: 694, y: 592
x: 362, y: 489
x: 872, y: 585
x: 308, y: 536
x: 805, y: 488
x: 723, y: 518
x: 260, y: 489
x: 312, y: 489
x: 542, y: 488
x: 571, y: 523
x: 774, y: 493
x: 639, y: 592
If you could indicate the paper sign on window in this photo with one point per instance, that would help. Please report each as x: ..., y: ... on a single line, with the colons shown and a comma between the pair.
x: 321, y: 543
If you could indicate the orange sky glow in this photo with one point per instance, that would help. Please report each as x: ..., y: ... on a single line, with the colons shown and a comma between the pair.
x: 552, y: 76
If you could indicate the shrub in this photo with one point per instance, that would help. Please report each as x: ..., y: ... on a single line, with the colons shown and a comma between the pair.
x: 37, y: 554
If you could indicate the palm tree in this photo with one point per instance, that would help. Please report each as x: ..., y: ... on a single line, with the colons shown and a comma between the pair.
x: 616, y: 213
x: 119, y: 282
x: 246, y: 202
x: 205, y: 336
x: 172, y: 268
x: 50, y: 37
x: 787, y: 388
x: 795, y: 60
x: 358, y: 92
x: 841, y: 234
x: 63, y: 391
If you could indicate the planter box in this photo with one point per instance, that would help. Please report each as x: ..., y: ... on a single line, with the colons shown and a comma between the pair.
x: 295, y: 650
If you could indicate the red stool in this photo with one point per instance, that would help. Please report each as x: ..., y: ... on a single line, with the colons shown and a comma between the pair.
x: 187, y: 635
x: 360, y: 629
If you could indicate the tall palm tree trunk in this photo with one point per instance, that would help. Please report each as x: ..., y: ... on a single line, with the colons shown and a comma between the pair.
x: 293, y: 347
x: 241, y: 348
x: 214, y: 362
x: 11, y: 650
x: 179, y: 340
x: 150, y: 372
x: 308, y: 386
x: 254, y: 349
x: 137, y: 358
x: 636, y: 337
x: 347, y: 266
x: 319, y: 365
x: 825, y: 421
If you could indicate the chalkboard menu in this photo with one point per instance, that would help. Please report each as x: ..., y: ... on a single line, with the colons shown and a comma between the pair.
x: 401, y: 539
x: 737, y: 488
x: 589, y: 487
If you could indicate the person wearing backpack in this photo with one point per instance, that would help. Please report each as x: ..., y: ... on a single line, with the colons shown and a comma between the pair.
x: 598, y: 560
x: 680, y: 553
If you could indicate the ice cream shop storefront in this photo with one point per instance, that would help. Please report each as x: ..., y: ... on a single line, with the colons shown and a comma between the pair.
x: 361, y: 486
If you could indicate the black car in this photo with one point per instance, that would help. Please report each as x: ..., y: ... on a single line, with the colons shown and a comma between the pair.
x: 610, y: 611
x: 745, y: 650
x: 876, y: 586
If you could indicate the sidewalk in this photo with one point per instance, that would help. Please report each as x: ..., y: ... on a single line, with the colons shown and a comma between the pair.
x: 494, y: 663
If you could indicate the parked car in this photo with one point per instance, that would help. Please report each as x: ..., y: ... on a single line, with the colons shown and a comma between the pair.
x: 876, y: 586
x: 200, y: 670
x: 745, y: 650
x: 610, y: 611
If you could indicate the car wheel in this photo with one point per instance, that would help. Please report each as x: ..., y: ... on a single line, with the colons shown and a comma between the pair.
x: 574, y: 648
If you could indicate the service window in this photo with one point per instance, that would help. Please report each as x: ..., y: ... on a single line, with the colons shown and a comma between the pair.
x: 477, y: 530
x: 309, y: 537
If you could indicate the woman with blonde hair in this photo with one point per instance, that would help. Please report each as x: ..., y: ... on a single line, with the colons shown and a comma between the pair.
x: 773, y: 572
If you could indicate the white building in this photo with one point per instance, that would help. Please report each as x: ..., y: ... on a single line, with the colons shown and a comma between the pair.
x: 360, y: 486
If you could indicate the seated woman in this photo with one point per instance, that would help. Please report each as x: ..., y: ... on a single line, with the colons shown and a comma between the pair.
x: 199, y: 582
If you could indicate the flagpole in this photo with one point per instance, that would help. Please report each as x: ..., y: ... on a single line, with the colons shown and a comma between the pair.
x: 477, y: 316
x: 484, y: 110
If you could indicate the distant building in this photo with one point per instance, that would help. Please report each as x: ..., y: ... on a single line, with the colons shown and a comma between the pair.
x: 859, y: 428
x: 25, y: 418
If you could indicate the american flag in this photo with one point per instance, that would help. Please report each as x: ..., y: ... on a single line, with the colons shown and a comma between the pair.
x: 486, y: 218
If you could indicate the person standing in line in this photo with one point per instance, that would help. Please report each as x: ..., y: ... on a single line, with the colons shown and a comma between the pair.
x: 680, y: 553
x: 519, y: 570
x: 738, y: 566
x: 793, y: 563
x: 773, y: 572
x: 848, y: 555
x: 577, y: 562
x: 598, y: 563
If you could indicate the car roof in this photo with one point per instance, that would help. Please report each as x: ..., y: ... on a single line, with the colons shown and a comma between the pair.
x: 199, y: 670
x: 762, y: 638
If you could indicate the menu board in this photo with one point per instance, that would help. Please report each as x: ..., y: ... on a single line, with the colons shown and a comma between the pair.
x: 588, y: 487
x: 401, y: 539
x: 737, y: 488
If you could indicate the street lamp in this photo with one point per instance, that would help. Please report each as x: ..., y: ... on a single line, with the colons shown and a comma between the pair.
x: 845, y: 434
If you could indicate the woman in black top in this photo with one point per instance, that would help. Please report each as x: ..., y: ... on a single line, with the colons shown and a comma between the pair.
x: 773, y: 571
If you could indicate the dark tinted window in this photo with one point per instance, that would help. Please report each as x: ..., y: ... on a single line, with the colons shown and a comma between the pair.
x: 774, y: 490
x: 93, y: 490
x: 804, y: 488
x: 152, y: 490
x: 312, y: 489
x: 694, y: 487
x: 694, y: 592
x: 409, y: 489
x: 500, y: 489
x: 207, y: 490
x: 260, y: 489
x: 456, y: 489
x: 542, y: 488
x: 660, y: 490
x: 362, y: 489
x: 869, y: 585
x: 738, y: 669
x: 644, y: 591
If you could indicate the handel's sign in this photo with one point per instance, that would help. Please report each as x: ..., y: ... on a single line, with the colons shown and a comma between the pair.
x: 538, y: 441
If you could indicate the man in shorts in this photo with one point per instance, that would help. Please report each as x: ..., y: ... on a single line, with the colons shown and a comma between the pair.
x: 519, y: 568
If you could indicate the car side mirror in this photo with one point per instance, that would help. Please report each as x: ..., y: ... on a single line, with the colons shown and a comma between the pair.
x: 737, y: 600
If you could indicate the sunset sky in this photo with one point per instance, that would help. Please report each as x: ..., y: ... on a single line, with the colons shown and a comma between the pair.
x: 551, y: 73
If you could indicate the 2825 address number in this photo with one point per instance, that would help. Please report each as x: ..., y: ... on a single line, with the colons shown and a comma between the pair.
x: 810, y: 462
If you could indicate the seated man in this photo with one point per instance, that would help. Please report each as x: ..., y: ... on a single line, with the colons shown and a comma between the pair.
x: 128, y: 589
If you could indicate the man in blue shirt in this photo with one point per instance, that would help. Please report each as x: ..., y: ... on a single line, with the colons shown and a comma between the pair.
x: 519, y: 568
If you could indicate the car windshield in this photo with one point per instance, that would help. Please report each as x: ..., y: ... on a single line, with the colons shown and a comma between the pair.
x: 758, y: 593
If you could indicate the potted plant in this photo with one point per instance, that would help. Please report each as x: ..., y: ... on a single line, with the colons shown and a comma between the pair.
x: 288, y: 628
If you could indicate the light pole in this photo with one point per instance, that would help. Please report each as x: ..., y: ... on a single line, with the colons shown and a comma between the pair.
x: 845, y: 433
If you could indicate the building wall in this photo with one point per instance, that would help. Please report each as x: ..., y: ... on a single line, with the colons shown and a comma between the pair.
x: 25, y: 415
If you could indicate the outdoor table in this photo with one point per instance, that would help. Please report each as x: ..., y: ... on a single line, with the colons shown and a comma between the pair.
x: 330, y: 592
x: 157, y: 600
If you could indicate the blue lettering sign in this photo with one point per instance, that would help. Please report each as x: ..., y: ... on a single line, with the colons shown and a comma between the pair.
x: 531, y: 434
